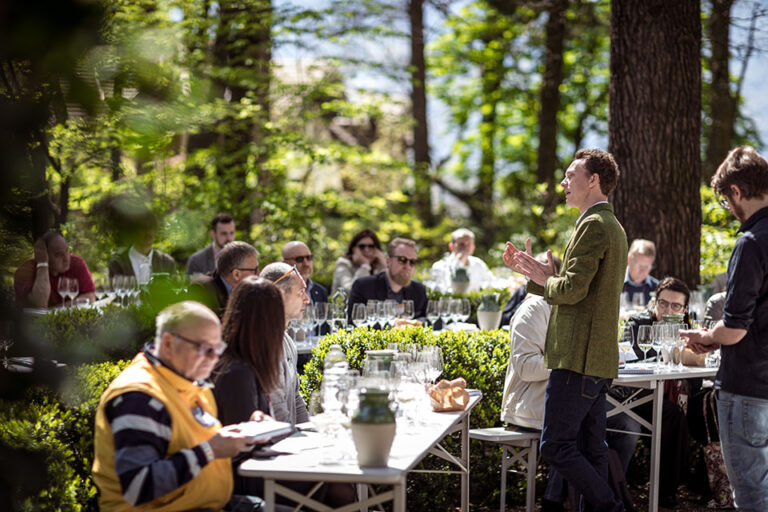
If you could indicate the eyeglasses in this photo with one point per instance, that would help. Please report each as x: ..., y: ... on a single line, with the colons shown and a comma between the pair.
x: 255, y: 269
x: 293, y: 269
x: 205, y: 349
x: 403, y: 260
x: 724, y: 203
x: 366, y: 246
x: 675, y: 307
x: 302, y: 259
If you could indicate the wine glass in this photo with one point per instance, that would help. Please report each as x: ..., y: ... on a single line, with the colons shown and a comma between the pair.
x: 644, y: 339
x: 432, y: 312
x: 407, y: 309
x: 321, y: 315
x: 466, y: 309
x: 432, y: 356
x: 372, y: 309
x: 359, y: 314
x: 657, y: 341
x: 444, y: 310
x: 118, y: 285
x: 63, y: 289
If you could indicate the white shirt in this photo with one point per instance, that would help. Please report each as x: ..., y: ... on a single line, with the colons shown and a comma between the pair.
x: 479, y: 274
x: 142, y: 265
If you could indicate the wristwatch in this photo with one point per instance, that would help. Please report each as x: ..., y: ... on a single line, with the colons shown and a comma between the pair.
x: 42, y: 264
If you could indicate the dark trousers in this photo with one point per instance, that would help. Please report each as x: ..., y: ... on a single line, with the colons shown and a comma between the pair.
x: 573, y: 436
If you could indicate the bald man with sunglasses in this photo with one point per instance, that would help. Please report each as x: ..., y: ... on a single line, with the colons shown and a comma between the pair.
x: 395, y: 283
x: 298, y: 254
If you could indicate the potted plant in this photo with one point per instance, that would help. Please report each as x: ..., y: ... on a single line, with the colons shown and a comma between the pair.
x: 460, y: 280
x: 489, y: 311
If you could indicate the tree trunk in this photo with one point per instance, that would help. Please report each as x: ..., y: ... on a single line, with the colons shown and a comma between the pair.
x: 654, y: 128
x: 481, y: 202
x: 550, y: 98
x: 722, y: 104
x: 422, y: 193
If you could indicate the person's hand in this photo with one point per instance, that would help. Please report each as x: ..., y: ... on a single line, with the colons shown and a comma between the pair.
x: 229, y: 441
x: 357, y: 257
x: 41, y: 251
x: 261, y: 416
x: 699, y: 341
x: 378, y: 261
x: 524, y: 263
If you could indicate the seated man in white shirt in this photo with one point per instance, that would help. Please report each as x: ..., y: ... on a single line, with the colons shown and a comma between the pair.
x: 461, y: 248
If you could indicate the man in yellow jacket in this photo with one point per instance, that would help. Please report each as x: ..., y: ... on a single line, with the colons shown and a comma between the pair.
x: 158, y: 444
x: 581, y: 348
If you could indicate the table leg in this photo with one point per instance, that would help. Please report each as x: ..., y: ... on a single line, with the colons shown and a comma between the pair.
x: 465, y: 461
x: 362, y: 495
x: 269, y: 494
x: 398, y: 501
x: 653, y: 490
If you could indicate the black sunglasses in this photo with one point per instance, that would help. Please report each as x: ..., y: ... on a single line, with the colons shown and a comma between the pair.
x: 302, y: 259
x: 366, y: 246
x: 403, y: 260
x: 255, y: 270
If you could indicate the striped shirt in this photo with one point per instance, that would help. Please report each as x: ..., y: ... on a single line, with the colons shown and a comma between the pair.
x: 141, y: 428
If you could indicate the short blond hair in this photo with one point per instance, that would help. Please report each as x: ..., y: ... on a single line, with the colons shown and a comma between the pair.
x: 188, y: 311
x: 642, y: 247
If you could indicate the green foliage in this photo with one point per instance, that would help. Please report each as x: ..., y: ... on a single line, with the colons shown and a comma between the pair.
x: 480, y: 357
x: 490, y: 302
x: 86, y: 335
x: 718, y: 234
x: 56, y: 430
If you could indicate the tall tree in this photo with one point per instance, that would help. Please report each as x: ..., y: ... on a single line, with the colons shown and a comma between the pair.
x: 550, y: 95
x: 654, y: 127
x: 422, y: 190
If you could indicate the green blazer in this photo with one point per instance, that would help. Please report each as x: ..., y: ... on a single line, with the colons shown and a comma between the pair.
x: 583, y: 329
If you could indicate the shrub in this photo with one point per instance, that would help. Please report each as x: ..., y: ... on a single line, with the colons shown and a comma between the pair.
x: 480, y: 357
x: 55, y: 432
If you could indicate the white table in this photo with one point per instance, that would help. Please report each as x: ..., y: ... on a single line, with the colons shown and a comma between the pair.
x: 408, y: 449
x: 654, y: 382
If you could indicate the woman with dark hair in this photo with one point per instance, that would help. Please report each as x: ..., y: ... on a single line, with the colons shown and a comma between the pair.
x: 249, y: 369
x: 364, y: 257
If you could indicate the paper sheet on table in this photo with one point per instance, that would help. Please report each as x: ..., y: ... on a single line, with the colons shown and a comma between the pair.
x: 301, y: 442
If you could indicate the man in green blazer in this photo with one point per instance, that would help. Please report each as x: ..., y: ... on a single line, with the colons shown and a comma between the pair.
x: 581, y: 346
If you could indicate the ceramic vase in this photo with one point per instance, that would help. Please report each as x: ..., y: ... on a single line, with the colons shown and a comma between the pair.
x: 373, y: 428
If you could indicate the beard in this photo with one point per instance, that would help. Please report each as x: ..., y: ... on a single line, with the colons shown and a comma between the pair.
x: 738, y: 212
x: 402, y: 278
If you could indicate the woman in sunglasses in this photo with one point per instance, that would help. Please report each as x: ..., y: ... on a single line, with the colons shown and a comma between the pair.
x: 364, y: 258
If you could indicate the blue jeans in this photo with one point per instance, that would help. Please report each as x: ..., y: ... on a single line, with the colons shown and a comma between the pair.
x: 573, y: 437
x: 744, y: 438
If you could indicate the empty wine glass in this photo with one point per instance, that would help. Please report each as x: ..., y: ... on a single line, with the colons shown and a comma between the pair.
x: 407, y: 309
x: 444, y: 310
x: 432, y: 312
x: 118, y: 285
x: 63, y: 289
x: 432, y: 357
x: 321, y: 315
x: 466, y: 309
x: 359, y: 314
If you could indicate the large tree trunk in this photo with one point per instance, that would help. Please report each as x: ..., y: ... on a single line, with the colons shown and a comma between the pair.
x: 244, y: 43
x: 654, y: 128
x: 722, y: 104
x: 422, y: 195
x: 550, y: 97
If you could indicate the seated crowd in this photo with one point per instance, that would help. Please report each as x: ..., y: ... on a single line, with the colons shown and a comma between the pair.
x: 159, y: 433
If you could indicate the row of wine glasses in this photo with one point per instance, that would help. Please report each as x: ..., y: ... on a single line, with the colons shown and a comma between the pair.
x: 448, y: 310
x: 384, y: 313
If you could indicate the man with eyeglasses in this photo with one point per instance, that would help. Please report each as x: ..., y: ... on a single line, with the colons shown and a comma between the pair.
x: 462, y: 248
x: 741, y: 383
x: 158, y: 443
x: 395, y: 283
x: 286, y: 402
x: 236, y: 261
x: 638, y: 278
x: 298, y: 254
x: 36, y: 281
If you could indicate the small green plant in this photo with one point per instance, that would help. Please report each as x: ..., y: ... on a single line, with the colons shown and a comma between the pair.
x: 460, y: 275
x: 490, y: 302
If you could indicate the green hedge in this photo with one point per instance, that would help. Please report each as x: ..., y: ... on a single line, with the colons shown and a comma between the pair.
x: 481, y: 358
x: 55, y: 432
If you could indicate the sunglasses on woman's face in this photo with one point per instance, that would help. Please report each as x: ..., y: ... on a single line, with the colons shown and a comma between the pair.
x: 366, y: 246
